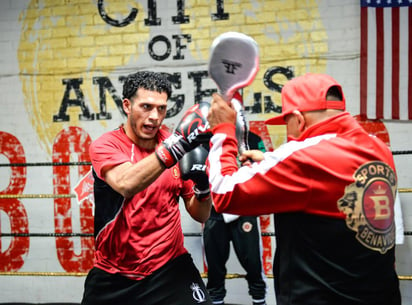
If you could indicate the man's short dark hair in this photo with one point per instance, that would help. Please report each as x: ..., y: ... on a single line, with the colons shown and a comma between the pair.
x: 148, y: 80
x: 334, y: 94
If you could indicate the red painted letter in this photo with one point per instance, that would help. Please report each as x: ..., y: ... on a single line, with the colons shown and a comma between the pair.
x: 72, y: 144
x: 13, y: 258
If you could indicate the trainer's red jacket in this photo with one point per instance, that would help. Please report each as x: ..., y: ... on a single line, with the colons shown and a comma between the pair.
x: 135, y: 236
x: 332, y: 191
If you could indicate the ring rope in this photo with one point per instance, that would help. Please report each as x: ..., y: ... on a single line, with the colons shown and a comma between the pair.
x: 190, y: 234
x: 81, y: 274
x: 396, y: 152
x: 401, y: 152
x: 47, y: 164
x: 34, y: 196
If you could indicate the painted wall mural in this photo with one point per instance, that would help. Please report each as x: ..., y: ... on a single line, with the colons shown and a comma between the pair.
x: 73, y: 57
x: 63, y: 66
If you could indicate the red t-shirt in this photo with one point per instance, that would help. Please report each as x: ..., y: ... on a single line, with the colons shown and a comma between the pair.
x: 138, y: 235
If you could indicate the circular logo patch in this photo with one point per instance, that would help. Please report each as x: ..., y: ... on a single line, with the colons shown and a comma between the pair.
x: 368, y: 204
x: 247, y: 226
x: 377, y: 205
x: 175, y: 172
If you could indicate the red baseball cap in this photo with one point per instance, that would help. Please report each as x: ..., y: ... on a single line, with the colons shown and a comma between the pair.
x: 307, y: 93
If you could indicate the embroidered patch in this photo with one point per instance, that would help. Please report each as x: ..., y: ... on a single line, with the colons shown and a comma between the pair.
x: 368, y: 204
x: 247, y: 226
x: 175, y: 172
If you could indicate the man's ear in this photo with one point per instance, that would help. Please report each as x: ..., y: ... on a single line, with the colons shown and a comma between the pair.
x: 300, y: 119
x: 127, y: 105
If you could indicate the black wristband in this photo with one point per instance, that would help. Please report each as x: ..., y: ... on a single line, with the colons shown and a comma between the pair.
x: 201, y: 195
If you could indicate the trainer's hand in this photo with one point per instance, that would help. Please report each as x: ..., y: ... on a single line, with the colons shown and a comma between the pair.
x: 220, y: 112
x: 254, y: 155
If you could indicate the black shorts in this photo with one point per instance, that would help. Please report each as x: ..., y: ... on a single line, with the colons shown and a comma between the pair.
x: 177, y: 283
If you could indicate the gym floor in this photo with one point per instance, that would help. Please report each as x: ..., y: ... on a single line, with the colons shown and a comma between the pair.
x: 237, y: 292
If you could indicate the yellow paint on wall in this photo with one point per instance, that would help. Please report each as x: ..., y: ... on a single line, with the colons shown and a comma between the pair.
x: 69, y: 39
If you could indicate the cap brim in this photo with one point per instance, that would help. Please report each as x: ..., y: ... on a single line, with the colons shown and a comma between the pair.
x: 276, y: 120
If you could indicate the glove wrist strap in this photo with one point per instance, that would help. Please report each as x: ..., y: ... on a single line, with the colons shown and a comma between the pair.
x: 164, y: 156
x: 201, y: 195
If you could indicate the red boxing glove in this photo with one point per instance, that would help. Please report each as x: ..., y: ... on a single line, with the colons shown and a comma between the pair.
x: 192, y: 130
x: 194, y: 126
x: 172, y: 150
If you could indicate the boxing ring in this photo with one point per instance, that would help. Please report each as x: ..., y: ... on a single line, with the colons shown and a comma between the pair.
x: 72, y: 196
